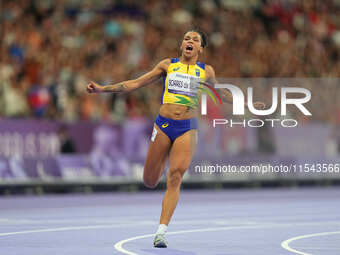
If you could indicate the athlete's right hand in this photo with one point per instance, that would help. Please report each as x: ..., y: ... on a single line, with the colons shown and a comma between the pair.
x: 93, y: 87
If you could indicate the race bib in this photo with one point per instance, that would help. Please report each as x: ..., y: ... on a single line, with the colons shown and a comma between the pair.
x: 183, y: 84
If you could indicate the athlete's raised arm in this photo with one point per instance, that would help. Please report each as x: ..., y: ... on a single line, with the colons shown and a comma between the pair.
x: 226, y: 94
x: 130, y: 85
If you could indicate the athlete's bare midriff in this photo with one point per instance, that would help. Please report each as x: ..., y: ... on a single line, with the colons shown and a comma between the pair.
x: 177, y: 112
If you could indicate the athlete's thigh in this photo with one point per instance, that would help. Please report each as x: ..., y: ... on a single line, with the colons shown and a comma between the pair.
x: 158, y: 151
x: 182, y: 151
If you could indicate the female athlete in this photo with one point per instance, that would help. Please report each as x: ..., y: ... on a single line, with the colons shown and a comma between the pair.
x: 175, y: 130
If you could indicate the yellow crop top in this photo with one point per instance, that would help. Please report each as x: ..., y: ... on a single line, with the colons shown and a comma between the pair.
x: 180, y: 85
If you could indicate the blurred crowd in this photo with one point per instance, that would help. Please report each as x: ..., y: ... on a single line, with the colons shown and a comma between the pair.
x: 51, y: 49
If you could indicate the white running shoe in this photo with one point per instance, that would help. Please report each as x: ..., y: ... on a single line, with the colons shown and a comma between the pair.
x: 160, y: 241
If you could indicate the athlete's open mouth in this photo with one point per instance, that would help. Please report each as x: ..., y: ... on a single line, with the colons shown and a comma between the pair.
x: 189, y: 48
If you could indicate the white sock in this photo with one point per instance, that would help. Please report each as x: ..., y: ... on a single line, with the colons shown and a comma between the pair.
x: 161, y: 229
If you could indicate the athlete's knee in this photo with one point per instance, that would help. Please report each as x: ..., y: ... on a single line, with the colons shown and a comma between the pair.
x: 150, y: 182
x: 175, y: 178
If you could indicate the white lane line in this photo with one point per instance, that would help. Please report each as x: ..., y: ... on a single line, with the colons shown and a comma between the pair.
x: 72, y: 228
x: 140, y: 223
x: 153, y: 222
x: 318, y: 248
x: 285, y: 244
x: 119, y: 245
